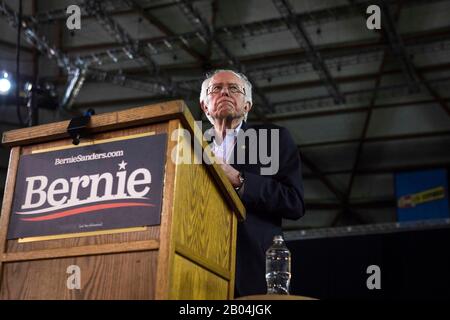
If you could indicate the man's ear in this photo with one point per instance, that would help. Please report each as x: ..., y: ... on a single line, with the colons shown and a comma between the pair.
x: 204, y: 107
x: 248, y: 106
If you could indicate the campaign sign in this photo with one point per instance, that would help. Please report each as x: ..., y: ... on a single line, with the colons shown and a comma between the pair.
x: 110, y: 185
x: 422, y: 195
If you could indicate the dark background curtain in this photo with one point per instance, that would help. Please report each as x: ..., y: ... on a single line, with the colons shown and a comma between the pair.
x: 414, y: 265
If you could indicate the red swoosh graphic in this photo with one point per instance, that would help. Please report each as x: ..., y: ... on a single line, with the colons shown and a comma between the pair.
x: 88, y: 209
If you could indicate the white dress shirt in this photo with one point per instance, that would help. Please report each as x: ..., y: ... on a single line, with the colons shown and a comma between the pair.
x: 224, y: 150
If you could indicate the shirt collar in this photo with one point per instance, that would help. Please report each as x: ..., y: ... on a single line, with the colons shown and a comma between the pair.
x: 236, y: 130
x: 229, y: 133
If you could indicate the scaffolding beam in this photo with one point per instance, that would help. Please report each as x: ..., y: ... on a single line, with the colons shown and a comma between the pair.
x: 197, y: 19
x: 313, y: 55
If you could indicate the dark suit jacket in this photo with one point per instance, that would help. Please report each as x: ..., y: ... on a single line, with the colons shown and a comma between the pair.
x: 267, y: 199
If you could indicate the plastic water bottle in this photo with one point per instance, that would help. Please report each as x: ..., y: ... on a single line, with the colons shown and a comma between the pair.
x: 278, y: 267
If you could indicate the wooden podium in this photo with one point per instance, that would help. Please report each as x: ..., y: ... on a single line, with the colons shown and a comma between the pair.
x: 190, y: 255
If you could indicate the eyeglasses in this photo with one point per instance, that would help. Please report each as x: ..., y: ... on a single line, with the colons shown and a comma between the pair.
x: 232, y: 88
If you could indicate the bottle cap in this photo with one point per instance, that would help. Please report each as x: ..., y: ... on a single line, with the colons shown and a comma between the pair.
x: 278, y: 238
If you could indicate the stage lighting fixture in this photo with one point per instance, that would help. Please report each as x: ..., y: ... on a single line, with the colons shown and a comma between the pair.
x: 5, y: 83
x: 28, y: 87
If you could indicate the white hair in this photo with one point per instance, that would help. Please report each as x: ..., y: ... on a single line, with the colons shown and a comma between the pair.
x: 209, y: 76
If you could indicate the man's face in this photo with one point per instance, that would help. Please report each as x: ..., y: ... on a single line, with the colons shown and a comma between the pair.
x: 225, y: 97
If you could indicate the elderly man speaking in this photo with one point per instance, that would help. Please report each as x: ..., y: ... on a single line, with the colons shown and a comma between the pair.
x: 226, y: 99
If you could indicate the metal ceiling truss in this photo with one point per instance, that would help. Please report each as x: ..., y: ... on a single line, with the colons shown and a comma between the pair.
x: 397, y: 48
x: 113, y: 7
x: 170, y: 44
x: 395, y: 137
x: 313, y: 55
x: 32, y: 37
x: 410, y: 71
x: 395, y: 43
x: 368, y: 117
x: 340, y: 196
x: 297, y: 67
x: 351, y: 110
x: 322, y: 101
x: 373, y: 229
x: 70, y: 66
x: 127, y: 81
x: 435, y: 94
x: 291, y: 68
x: 76, y: 71
x: 413, y: 76
x: 296, y: 108
x: 353, y: 55
x: 311, y: 18
x: 389, y: 169
x: 312, y: 103
x: 134, y: 49
x: 198, y: 20
x: 320, y: 175
x: 357, y: 96
x: 243, y: 31
x: 184, y: 44
x: 117, y: 55
x: 174, y: 42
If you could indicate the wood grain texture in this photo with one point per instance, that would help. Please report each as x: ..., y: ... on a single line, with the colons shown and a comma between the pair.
x: 151, y: 233
x: 56, y: 133
x: 233, y: 232
x: 156, y: 128
x: 187, y: 253
x: 7, y: 202
x: 194, y: 282
x: 199, y: 215
x: 204, y: 222
x: 47, y: 251
x: 215, y: 170
x: 99, y: 123
x: 167, y: 250
x: 113, y: 276
x: 203, y: 218
x: 76, y: 251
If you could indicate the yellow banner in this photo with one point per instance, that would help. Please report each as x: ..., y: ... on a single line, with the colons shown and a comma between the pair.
x: 411, y: 200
